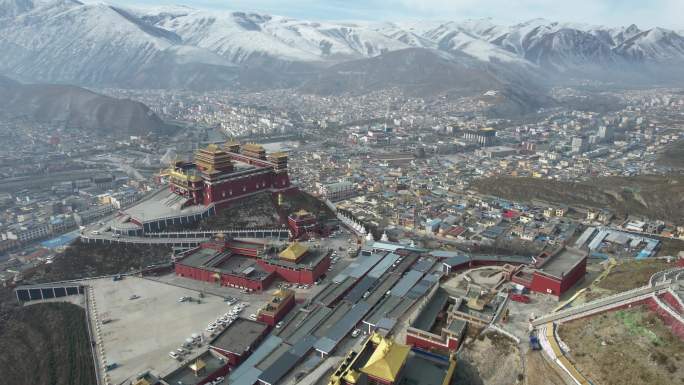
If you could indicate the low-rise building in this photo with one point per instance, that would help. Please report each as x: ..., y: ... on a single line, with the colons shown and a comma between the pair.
x: 281, y: 303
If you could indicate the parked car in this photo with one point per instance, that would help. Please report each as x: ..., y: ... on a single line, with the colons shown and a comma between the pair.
x: 356, y: 333
x: 520, y: 298
x: 279, y: 325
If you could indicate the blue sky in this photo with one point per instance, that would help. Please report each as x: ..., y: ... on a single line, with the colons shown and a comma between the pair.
x: 644, y: 13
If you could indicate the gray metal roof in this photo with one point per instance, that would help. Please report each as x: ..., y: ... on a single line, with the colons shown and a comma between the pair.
x: 288, y: 360
x: 342, y: 327
x: 247, y: 373
x: 363, y: 264
x: 386, y: 323
x: 357, y: 292
x: 424, y: 266
x: 406, y: 283
x: 383, y: 265
x: 429, y: 313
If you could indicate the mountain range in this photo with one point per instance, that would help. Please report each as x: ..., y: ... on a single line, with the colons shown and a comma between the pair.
x: 77, y: 107
x: 96, y: 44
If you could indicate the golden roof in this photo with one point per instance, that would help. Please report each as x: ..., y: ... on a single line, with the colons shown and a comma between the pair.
x: 387, y: 360
x: 253, y: 147
x: 213, y: 148
x: 197, y: 365
x: 141, y: 381
x: 352, y: 376
x: 180, y: 175
x: 302, y: 213
x: 293, y: 252
x: 279, y: 154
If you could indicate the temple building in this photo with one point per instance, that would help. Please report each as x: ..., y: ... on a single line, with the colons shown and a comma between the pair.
x: 250, y: 266
x: 381, y: 361
x: 219, y: 175
x: 302, y: 223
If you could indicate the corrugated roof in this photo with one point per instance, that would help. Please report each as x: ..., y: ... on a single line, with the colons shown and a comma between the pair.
x: 247, y: 373
x: 406, y: 283
x: 288, y: 360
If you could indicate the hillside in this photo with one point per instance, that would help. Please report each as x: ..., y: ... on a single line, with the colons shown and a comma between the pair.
x: 416, y: 70
x: 673, y: 155
x: 82, y: 260
x: 655, y: 197
x: 45, y: 344
x: 79, y: 107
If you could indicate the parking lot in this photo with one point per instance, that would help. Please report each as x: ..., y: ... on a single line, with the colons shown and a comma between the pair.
x: 138, y: 334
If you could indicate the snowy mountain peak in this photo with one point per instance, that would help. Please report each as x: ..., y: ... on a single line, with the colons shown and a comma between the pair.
x: 62, y: 40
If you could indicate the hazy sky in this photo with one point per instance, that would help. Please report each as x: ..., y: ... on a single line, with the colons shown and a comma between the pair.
x: 644, y: 13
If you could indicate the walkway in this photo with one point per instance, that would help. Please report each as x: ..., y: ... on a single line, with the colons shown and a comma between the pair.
x: 604, y: 304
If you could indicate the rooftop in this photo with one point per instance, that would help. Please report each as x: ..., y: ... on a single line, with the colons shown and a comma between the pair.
x: 185, y: 375
x: 387, y: 359
x: 162, y: 205
x: 224, y: 262
x: 240, y: 336
x: 293, y: 252
x: 561, y: 262
x: 422, y: 369
x: 429, y: 313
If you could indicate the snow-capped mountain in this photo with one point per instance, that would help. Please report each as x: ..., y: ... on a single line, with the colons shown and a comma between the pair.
x: 66, y: 41
x: 98, y: 44
x: 241, y: 36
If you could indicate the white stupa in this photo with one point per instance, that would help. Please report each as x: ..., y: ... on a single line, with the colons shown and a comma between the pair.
x: 384, y: 237
x: 369, y: 237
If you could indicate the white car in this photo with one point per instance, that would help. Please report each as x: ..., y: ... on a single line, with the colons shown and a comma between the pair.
x: 279, y: 325
x: 173, y: 355
x: 253, y: 317
x: 356, y: 333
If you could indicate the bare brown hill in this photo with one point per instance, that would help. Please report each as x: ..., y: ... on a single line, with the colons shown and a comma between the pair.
x: 652, y: 196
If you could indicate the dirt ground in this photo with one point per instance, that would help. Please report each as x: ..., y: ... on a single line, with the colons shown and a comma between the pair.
x: 630, y: 275
x: 625, y: 347
x: 539, y: 371
x: 256, y: 211
x: 626, y: 276
x: 490, y: 359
